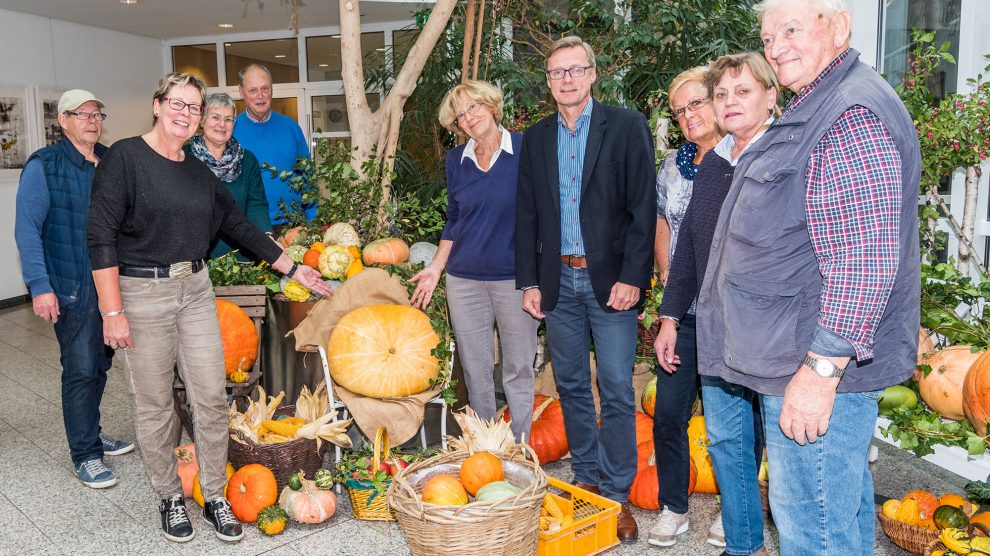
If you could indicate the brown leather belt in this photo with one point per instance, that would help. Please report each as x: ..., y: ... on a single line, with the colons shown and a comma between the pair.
x: 574, y: 261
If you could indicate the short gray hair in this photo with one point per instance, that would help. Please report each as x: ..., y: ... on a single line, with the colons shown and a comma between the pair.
x: 830, y: 5
x: 220, y: 100
x: 571, y: 42
x: 245, y: 69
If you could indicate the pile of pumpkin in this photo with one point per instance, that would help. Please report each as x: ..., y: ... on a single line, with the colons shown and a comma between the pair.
x: 253, y: 494
x: 921, y: 508
x: 337, y: 254
x: 957, y: 386
x: 481, y: 477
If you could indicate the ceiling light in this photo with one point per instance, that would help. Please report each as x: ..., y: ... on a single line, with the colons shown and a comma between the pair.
x: 324, y: 65
x: 226, y: 44
x: 280, y: 55
x: 225, y: 25
x: 335, y: 37
x: 128, y: 2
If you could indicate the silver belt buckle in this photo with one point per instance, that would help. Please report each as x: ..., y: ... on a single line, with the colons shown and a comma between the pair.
x: 180, y: 270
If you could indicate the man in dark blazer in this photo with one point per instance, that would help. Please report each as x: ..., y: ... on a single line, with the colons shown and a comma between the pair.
x: 585, y: 221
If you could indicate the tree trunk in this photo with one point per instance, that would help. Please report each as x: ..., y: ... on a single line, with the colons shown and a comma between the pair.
x: 468, y: 38
x: 969, y: 218
x: 377, y: 133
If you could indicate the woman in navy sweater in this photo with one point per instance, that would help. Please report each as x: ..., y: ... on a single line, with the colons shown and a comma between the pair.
x: 476, y: 249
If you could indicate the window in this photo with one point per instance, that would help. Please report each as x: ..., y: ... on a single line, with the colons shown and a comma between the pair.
x: 900, y: 17
x: 280, y: 56
x: 402, y: 42
x: 197, y: 59
x: 323, y: 55
x: 330, y: 113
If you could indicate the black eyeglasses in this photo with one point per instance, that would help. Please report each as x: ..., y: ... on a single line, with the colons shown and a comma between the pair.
x: 179, y: 106
x: 693, y: 106
x: 86, y: 115
x: 575, y: 72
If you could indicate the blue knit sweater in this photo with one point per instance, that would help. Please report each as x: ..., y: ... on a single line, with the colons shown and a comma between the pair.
x: 481, y: 215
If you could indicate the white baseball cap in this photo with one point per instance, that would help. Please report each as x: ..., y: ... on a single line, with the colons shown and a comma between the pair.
x: 74, y: 98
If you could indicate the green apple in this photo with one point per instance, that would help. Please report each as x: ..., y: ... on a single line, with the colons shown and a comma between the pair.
x: 896, y: 396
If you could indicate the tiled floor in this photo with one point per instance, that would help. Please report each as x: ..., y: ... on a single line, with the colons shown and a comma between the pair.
x: 45, y: 510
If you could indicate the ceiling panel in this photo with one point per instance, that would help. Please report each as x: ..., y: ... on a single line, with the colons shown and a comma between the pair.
x: 171, y: 19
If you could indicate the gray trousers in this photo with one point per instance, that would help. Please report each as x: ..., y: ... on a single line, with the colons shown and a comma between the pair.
x: 476, y: 307
x: 174, y: 320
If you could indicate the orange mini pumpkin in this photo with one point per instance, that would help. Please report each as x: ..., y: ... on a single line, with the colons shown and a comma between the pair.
x: 547, y: 435
x: 312, y: 258
x: 239, y: 337
x: 445, y: 490
x: 480, y: 469
x: 250, y: 490
x: 188, y: 467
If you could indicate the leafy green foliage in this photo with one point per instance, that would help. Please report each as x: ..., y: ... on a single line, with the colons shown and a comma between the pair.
x: 953, y: 132
x: 355, y: 465
x: 953, y: 306
x: 919, y: 430
x: 228, y: 271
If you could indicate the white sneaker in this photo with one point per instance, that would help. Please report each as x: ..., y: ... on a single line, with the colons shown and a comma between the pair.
x: 716, y: 533
x: 665, y: 532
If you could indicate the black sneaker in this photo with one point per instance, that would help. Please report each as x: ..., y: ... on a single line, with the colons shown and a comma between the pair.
x: 219, y: 514
x: 175, y: 521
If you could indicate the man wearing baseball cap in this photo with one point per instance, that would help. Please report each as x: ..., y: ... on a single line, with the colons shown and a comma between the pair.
x: 50, y: 230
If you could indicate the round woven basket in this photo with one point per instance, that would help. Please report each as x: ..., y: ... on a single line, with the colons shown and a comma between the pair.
x: 368, y: 502
x: 282, y: 459
x: 507, y: 527
x: 764, y: 497
x: 912, y: 539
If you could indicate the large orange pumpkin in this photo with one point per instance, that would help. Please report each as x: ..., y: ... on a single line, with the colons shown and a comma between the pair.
x: 644, y: 451
x: 976, y: 394
x: 445, y: 490
x: 250, y: 490
x: 646, y: 486
x: 239, y: 336
x: 480, y: 469
x: 390, y: 250
x: 698, y: 440
x: 942, y: 389
x: 383, y: 351
x: 547, y: 435
x: 644, y: 427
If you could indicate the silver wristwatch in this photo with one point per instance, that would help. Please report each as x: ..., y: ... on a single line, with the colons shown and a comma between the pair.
x: 823, y: 367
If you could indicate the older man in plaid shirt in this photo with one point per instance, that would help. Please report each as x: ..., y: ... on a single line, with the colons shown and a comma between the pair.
x: 812, y: 295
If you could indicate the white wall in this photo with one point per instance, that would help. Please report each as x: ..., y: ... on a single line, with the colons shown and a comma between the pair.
x: 120, y: 69
x: 865, y: 29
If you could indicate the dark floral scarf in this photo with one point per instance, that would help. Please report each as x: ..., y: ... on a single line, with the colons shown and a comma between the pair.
x: 228, y: 168
x: 685, y: 160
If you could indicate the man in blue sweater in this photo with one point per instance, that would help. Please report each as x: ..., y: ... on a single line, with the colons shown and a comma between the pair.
x: 50, y: 230
x: 275, y: 139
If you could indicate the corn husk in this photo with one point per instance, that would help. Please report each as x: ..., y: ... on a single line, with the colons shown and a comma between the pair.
x: 479, y: 434
x: 313, y: 419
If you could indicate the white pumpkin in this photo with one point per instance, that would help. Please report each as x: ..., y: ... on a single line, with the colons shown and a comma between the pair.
x: 342, y: 233
x: 422, y: 252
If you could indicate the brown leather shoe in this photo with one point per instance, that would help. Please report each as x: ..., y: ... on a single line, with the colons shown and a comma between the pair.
x: 625, y: 527
x: 583, y: 486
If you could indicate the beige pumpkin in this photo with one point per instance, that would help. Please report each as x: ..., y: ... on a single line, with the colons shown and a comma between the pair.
x: 942, y: 389
x: 309, y: 504
x: 391, y: 250
x: 383, y: 351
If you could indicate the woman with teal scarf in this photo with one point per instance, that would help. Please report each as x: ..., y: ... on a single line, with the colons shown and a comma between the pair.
x: 234, y: 165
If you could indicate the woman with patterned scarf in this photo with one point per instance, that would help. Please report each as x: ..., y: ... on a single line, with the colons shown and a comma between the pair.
x: 677, y: 391
x: 236, y: 166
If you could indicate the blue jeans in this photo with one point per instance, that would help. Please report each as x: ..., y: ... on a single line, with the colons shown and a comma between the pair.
x: 606, y: 458
x: 732, y: 424
x: 85, y: 361
x: 821, y: 493
x: 676, y: 393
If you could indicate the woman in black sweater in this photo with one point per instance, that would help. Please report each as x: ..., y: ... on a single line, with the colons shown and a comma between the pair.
x: 743, y: 89
x: 154, y: 212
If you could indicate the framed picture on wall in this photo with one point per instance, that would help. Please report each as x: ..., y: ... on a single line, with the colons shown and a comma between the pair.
x: 46, y: 108
x: 15, y: 132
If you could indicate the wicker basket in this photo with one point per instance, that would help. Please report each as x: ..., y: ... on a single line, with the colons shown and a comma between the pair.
x: 765, y: 497
x: 912, y: 539
x: 282, y: 459
x: 367, y: 502
x: 507, y: 527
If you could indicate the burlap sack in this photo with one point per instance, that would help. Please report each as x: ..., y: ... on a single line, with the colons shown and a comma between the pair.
x: 401, y: 416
